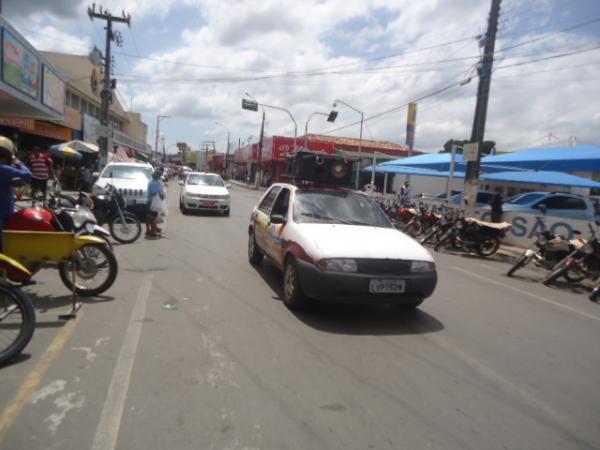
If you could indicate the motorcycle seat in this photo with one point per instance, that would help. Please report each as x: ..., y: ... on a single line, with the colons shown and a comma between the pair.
x: 498, y: 226
x: 577, y: 243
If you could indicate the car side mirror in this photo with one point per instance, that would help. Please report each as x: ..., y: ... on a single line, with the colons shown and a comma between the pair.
x: 180, y: 183
x: 277, y: 219
x: 542, y: 207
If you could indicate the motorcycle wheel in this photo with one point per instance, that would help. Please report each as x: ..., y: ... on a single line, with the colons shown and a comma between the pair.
x: 488, y: 247
x: 125, y: 232
x: 595, y: 295
x: 441, y: 242
x: 17, y: 322
x: 105, y: 239
x: 88, y: 268
x: 574, y: 277
x: 521, y: 262
x: 555, y: 274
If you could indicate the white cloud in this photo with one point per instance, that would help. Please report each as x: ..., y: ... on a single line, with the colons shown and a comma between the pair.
x: 274, y: 37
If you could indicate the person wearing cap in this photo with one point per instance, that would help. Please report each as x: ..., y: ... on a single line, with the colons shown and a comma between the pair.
x: 155, y: 187
x: 10, y: 168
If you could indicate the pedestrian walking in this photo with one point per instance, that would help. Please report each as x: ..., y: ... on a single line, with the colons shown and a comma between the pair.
x: 42, y: 169
x: 156, y: 191
x: 496, y: 207
x: 10, y: 168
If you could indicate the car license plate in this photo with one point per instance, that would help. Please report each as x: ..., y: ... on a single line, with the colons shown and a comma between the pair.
x: 387, y: 286
x: 209, y: 204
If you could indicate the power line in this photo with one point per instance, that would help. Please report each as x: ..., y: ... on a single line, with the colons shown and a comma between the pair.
x: 559, y: 55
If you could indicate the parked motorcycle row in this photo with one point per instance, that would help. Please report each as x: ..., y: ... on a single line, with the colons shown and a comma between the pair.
x: 572, y: 260
x: 66, y: 235
x: 445, y: 228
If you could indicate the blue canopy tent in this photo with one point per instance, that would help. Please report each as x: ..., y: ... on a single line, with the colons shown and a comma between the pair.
x: 434, y: 161
x: 417, y: 171
x: 541, y: 177
x: 581, y: 158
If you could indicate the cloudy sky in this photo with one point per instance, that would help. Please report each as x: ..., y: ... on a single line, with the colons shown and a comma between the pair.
x: 195, y: 59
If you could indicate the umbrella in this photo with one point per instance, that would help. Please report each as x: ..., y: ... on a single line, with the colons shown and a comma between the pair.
x: 81, y: 146
x: 64, y: 151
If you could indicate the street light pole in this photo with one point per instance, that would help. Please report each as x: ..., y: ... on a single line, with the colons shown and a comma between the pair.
x: 306, y: 127
x: 362, y: 119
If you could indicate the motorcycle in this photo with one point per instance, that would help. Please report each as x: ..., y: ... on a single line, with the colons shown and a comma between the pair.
x: 584, y: 260
x: 439, y: 228
x: 17, y: 316
x: 109, y: 208
x: 547, y: 251
x: 34, y: 237
x: 79, y: 219
x: 471, y: 234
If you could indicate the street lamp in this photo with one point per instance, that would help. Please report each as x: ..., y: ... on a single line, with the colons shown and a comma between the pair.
x: 158, y: 117
x: 330, y: 118
x: 362, y: 118
x: 228, y: 140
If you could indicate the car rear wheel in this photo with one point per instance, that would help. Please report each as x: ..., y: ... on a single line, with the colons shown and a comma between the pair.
x: 254, y: 254
x: 182, y: 207
x: 293, y: 297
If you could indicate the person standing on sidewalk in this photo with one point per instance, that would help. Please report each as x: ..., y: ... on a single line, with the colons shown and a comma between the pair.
x: 496, y: 207
x: 155, y: 187
x: 42, y: 169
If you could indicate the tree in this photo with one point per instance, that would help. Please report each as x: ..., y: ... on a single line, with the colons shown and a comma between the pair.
x: 486, y: 146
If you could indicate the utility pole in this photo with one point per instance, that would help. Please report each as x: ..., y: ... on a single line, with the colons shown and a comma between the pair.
x: 484, y: 71
x: 260, y: 149
x: 106, y: 140
x: 164, y: 150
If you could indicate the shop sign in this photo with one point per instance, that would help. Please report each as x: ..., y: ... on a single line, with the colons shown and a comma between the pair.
x: 17, y: 122
x: 20, y: 67
x: 53, y: 91
x: 127, y: 141
x: 52, y: 131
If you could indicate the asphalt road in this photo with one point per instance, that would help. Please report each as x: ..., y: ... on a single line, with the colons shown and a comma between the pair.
x: 192, y: 348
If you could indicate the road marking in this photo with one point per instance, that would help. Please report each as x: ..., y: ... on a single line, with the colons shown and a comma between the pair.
x: 110, y: 420
x: 35, y: 377
x: 529, y: 294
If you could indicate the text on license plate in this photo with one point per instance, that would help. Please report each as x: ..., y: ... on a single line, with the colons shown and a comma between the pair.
x: 387, y: 286
x: 209, y: 204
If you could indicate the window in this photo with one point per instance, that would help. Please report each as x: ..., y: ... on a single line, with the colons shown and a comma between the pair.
x: 204, y: 180
x: 563, y: 202
x: 75, y: 102
x: 84, y: 106
x: 524, y: 199
x: 126, y: 172
x: 282, y: 203
x: 267, y: 203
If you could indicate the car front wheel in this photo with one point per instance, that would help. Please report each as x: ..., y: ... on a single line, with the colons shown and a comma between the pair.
x: 293, y: 297
x: 254, y: 255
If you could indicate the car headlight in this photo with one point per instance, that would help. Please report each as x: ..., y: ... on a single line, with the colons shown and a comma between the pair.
x: 422, y: 266
x: 338, y: 265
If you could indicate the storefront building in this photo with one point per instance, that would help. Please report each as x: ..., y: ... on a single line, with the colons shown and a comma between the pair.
x: 32, y: 94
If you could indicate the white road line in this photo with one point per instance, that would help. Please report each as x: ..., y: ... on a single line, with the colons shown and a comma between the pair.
x: 528, y: 294
x: 110, y: 420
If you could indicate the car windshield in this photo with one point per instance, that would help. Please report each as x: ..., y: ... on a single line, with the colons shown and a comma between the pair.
x: 337, y: 207
x: 204, y: 180
x: 525, y: 199
x: 128, y: 172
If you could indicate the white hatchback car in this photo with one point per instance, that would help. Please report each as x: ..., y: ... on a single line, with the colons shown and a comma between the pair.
x: 204, y: 192
x: 337, y: 245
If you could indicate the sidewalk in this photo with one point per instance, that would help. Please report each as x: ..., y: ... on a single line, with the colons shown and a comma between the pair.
x: 244, y: 185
